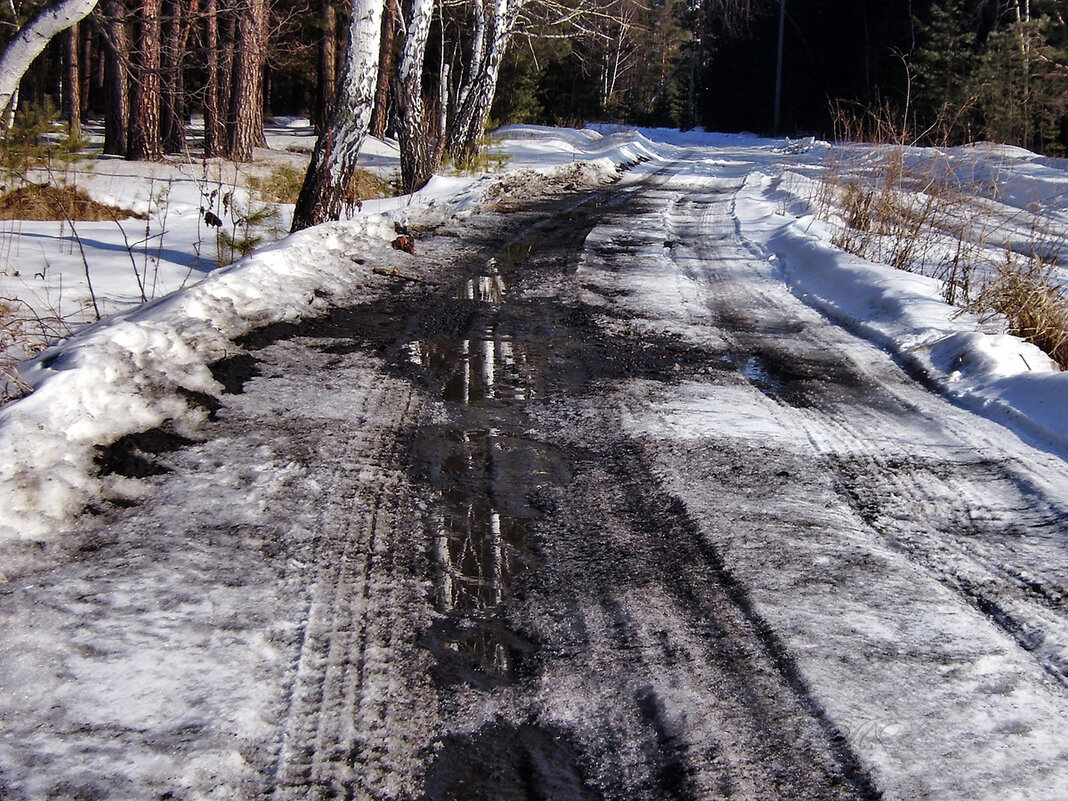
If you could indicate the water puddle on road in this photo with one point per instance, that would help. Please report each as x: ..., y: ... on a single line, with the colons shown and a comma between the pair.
x: 485, y: 470
x: 757, y: 371
x: 472, y: 370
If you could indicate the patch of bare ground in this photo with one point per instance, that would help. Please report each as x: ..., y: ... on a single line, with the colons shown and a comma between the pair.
x: 515, y: 189
x: 44, y: 202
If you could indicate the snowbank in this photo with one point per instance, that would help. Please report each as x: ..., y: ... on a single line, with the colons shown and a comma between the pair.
x: 147, y: 367
x: 989, y: 371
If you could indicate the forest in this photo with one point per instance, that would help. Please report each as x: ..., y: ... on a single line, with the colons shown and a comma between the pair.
x: 436, y: 73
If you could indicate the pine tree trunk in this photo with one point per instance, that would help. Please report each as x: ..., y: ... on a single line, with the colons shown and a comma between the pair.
x: 327, y: 74
x: 145, y: 143
x: 380, y: 114
x: 227, y: 50
x: 245, y: 130
x: 172, y: 105
x: 72, y: 83
x: 327, y: 185
x: 88, y: 60
x: 116, y: 79
x: 213, y: 118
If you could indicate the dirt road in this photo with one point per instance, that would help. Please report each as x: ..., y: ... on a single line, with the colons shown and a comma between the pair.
x: 593, y: 509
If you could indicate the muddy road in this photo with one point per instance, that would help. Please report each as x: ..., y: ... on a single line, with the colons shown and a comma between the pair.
x: 585, y: 505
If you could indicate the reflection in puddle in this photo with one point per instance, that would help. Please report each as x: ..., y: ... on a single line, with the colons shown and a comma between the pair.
x: 484, y: 289
x: 477, y: 549
x: 483, y: 471
x: 471, y: 371
x: 756, y: 371
x: 478, y: 552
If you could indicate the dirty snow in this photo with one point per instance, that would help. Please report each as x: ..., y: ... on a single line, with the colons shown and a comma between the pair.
x: 138, y: 368
x: 128, y: 372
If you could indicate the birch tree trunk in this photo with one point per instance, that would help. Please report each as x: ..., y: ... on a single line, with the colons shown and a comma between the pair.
x: 327, y: 185
x: 415, y: 150
x: 475, y: 101
x: 18, y: 54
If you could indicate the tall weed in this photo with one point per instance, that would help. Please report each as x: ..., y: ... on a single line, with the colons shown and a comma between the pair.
x: 913, y: 208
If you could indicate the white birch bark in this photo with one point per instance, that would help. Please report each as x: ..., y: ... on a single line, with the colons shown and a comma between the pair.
x: 31, y: 40
x: 326, y: 189
x: 474, y: 110
x: 414, y: 148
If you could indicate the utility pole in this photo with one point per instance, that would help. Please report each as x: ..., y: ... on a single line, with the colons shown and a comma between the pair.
x: 778, y: 66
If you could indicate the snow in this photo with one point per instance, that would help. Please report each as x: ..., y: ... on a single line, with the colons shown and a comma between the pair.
x: 125, y: 374
x: 140, y: 367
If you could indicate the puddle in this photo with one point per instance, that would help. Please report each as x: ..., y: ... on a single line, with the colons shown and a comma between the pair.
x: 484, y: 467
x: 758, y: 372
x: 474, y: 370
x: 484, y: 289
x: 479, y: 539
x: 478, y: 546
x: 478, y: 552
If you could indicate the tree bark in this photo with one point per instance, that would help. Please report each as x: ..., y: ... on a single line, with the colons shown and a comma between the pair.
x: 213, y: 119
x: 415, y: 149
x: 116, y: 78
x: 144, y: 142
x: 245, y: 130
x: 380, y: 114
x: 89, y: 59
x: 173, y: 102
x: 30, y: 41
x: 327, y: 185
x: 476, y: 98
x: 72, y: 83
x: 327, y: 74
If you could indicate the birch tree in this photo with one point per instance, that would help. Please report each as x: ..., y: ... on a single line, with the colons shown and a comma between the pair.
x: 415, y: 150
x: 19, y: 53
x: 327, y: 185
x: 493, y: 26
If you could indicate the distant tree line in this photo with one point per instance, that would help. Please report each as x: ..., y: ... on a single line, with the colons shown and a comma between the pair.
x: 433, y: 73
x: 953, y: 70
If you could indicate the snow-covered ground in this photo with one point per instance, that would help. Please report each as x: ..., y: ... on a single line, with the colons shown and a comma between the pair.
x: 912, y: 595
x: 127, y: 372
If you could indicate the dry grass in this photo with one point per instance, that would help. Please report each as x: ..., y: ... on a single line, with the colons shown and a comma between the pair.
x: 1034, y: 304
x: 916, y: 214
x: 281, y: 185
x: 43, y: 202
x: 368, y: 186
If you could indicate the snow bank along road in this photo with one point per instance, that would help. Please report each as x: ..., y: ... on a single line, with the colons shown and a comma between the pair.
x: 595, y: 509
